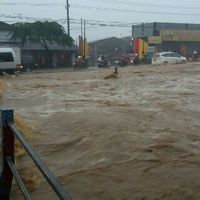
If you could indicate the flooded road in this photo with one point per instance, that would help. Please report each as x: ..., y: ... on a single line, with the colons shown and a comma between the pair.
x: 133, y: 138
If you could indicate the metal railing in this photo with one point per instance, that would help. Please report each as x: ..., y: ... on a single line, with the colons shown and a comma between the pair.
x: 8, y: 133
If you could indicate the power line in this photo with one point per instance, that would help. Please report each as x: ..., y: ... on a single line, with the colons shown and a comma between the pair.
x: 73, y: 21
x: 31, y: 4
x: 114, y: 9
x: 88, y: 28
x: 101, y: 21
x: 135, y: 11
x: 136, y: 3
x: 103, y: 24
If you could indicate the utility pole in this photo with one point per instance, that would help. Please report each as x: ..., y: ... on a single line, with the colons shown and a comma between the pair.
x: 81, y: 40
x: 133, y: 29
x: 84, y: 39
x: 143, y: 39
x: 68, y: 20
x: 81, y: 27
x: 132, y: 39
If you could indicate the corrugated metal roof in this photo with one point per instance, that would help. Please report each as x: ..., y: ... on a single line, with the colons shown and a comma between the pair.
x: 4, y: 36
x: 4, y: 26
x: 6, y: 39
x: 105, y: 39
x: 53, y: 46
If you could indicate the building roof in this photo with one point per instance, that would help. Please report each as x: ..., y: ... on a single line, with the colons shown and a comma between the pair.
x: 173, y: 25
x: 52, y: 46
x: 5, y: 38
x: 154, y: 28
x: 4, y: 26
x: 104, y: 40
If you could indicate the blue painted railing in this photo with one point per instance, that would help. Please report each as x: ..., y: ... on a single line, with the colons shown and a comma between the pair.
x: 8, y: 134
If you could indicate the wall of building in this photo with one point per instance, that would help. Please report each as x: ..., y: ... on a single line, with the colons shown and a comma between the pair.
x: 60, y: 56
x: 184, y: 48
x: 177, y: 37
x: 150, y: 29
x: 143, y: 30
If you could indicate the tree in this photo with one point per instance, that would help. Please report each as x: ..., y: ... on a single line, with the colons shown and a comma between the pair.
x: 43, y: 33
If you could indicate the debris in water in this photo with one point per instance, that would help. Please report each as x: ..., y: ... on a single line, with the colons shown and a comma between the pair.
x: 114, y: 75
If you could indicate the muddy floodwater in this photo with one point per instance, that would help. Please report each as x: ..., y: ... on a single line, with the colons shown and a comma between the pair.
x: 132, y: 138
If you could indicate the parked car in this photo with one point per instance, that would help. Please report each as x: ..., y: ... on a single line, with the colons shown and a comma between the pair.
x: 28, y: 63
x: 9, y: 61
x: 168, y: 58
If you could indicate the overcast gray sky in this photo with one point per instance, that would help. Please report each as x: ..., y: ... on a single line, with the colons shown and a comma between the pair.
x: 105, y: 18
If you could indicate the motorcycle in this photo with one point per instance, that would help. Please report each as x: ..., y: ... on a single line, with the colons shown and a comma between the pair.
x: 121, y: 62
x: 135, y: 60
x: 80, y: 64
x: 102, y: 64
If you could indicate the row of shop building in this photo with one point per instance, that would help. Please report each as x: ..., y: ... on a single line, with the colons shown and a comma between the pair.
x: 146, y: 39
x: 62, y: 56
x: 150, y: 38
x: 158, y: 37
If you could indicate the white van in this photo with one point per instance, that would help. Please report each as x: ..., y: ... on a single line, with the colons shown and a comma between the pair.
x: 9, y: 62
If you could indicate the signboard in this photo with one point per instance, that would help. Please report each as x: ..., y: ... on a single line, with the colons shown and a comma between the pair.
x: 180, y: 35
x: 154, y: 40
x: 140, y: 47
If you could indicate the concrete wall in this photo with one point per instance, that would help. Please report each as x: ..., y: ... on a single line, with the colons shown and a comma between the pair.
x: 150, y: 28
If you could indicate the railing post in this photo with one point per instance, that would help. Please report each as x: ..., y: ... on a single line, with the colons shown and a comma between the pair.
x: 7, y: 146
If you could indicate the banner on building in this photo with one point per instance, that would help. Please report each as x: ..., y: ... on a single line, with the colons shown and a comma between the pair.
x: 140, y: 47
x: 154, y: 40
x: 180, y: 35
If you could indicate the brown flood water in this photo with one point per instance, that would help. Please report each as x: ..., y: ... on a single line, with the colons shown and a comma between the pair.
x: 133, y: 138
